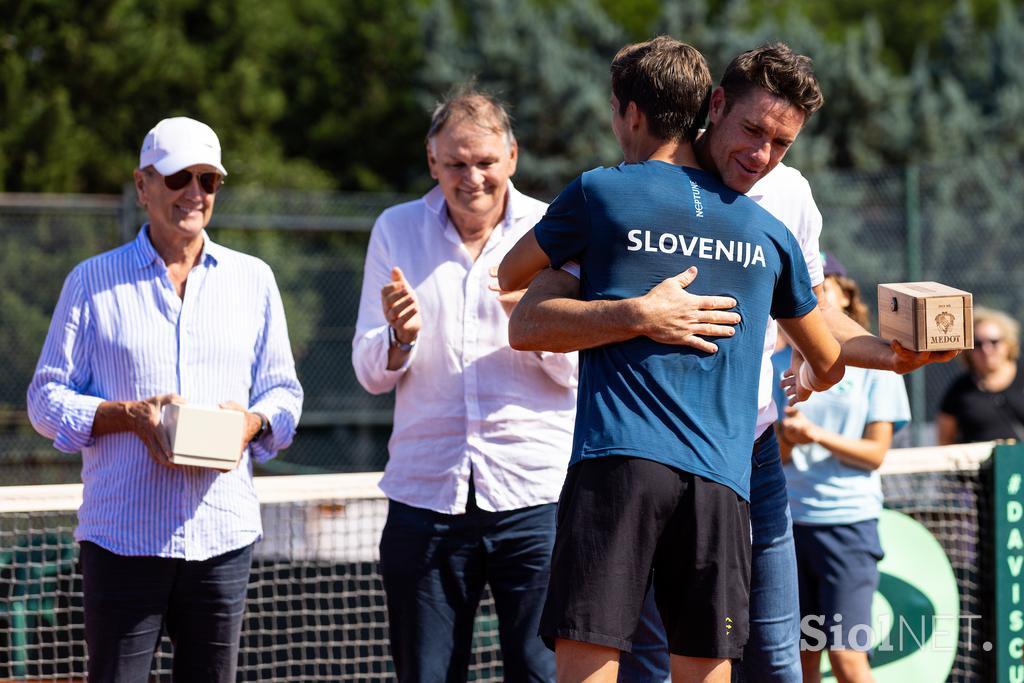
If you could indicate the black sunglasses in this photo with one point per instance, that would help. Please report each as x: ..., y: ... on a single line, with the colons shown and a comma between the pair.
x: 209, y: 181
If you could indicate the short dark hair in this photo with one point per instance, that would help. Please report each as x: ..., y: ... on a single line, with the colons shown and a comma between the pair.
x: 669, y: 81
x: 774, y: 67
x: 483, y: 109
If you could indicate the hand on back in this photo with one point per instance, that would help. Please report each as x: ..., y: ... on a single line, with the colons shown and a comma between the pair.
x: 671, y: 315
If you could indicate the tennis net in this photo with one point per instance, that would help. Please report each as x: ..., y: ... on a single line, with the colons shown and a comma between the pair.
x: 948, y: 490
x: 315, y: 608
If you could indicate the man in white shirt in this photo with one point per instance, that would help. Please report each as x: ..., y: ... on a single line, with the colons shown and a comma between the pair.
x: 481, y: 432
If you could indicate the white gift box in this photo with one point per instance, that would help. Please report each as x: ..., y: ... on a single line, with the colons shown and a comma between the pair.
x: 203, y: 436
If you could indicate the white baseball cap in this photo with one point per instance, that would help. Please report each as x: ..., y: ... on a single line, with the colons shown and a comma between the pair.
x: 178, y: 143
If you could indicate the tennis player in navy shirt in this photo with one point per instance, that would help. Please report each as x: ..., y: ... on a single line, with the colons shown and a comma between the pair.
x: 659, y: 474
x: 630, y: 227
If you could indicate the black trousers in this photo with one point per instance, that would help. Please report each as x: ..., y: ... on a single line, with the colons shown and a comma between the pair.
x: 128, y: 601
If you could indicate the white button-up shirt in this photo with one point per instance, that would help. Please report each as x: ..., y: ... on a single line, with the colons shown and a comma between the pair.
x: 465, y: 401
x: 785, y: 194
x: 120, y: 332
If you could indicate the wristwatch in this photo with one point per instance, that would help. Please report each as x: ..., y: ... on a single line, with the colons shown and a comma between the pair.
x: 394, y: 341
x: 264, y: 426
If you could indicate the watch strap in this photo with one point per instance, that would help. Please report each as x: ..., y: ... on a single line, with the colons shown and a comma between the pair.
x: 393, y: 340
x: 264, y: 427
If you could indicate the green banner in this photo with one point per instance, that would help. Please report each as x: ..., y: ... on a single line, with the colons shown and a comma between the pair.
x: 1008, y: 480
x: 916, y: 609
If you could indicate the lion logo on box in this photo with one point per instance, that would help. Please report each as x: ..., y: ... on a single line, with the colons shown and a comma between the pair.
x: 945, y: 321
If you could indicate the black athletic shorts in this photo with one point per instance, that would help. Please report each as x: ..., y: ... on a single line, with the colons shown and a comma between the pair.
x: 622, y: 521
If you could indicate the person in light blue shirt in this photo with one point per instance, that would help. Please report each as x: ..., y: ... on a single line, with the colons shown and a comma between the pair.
x: 833, y: 445
x: 168, y: 317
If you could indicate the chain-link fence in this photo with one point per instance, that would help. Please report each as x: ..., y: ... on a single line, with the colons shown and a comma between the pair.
x: 959, y: 225
x: 955, y: 225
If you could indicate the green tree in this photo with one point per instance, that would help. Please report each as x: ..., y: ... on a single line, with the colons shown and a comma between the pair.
x: 550, y: 63
x: 36, y: 254
x: 301, y: 93
x: 348, y: 72
x: 905, y: 27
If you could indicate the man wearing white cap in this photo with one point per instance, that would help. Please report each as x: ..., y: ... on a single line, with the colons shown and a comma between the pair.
x: 170, y: 317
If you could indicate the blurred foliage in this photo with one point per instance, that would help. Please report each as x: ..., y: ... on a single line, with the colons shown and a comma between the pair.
x: 304, y: 94
x: 319, y: 94
x: 551, y: 65
x: 37, y: 251
x: 906, y: 26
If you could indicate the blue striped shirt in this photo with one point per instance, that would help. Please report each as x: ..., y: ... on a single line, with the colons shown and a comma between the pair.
x: 120, y: 332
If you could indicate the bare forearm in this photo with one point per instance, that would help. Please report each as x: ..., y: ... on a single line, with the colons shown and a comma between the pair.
x: 864, y: 350
x: 842, y: 326
x: 860, y: 348
x: 550, y: 316
x: 142, y: 418
x: 562, y: 324
x: 823, y: 360
x: 865, y: 454
x: 522, y: 262
x: 869, y: 352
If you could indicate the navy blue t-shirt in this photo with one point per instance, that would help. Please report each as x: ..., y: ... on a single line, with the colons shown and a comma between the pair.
x: 632, y: 226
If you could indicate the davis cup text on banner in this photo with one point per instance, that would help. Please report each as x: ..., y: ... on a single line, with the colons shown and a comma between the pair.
x: 1009, y: 561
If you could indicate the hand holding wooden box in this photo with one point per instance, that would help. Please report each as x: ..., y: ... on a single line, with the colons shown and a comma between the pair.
x: 926, y: 316
x: 203, y: 436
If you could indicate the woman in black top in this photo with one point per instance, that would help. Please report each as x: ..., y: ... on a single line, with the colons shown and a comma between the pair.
x: 987, y: 403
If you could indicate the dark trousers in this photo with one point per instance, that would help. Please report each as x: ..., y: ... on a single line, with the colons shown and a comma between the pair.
x: 128, y: 600
x: 434, y: 568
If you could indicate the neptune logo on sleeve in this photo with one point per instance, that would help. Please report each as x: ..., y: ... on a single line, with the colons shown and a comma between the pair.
x: 698, y: 206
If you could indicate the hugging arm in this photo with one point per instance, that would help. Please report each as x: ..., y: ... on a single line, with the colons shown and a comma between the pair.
x: 551, y: 317
x: 522, y: 262
x: 822, y: 355
x: 864, y: 350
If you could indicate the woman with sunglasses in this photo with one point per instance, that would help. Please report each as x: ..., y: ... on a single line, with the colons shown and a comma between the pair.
x: 987, y: 402
x: 832, y: 446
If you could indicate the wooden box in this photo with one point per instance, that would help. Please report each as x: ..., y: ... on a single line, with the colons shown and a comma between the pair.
x: 203, y: 436
x: 926, y: 316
